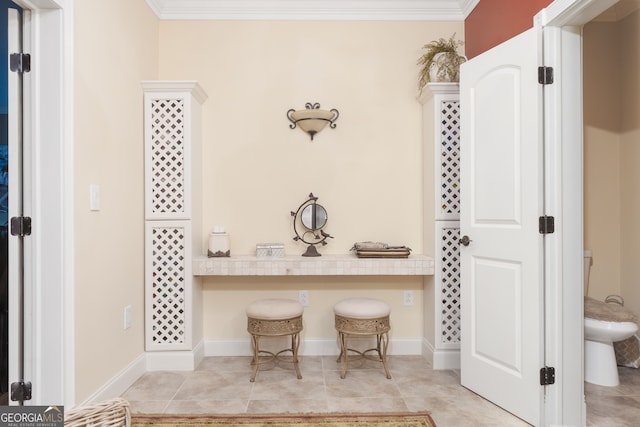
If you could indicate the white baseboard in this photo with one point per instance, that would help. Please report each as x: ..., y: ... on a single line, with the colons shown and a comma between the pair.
x: 427, y: 350
x: 121, y: 382
x: 185, y: 360
x: 446, y: 359
x: 227, y: 347
x: 441, y: 358
x: 405, y: 347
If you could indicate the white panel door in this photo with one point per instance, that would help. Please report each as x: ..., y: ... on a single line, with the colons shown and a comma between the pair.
x: 501, y: 197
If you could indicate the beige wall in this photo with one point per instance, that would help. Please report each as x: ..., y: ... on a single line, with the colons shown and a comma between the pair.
x: 612, y: 155
x: 630, y: 159
x: 367, y: 172
x: 602, y: 157
x: 115, y: 48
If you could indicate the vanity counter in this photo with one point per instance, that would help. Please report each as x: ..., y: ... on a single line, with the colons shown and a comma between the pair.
x: 325, y: 265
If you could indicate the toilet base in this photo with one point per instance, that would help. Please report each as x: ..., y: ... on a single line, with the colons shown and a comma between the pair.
x: 600, y: 365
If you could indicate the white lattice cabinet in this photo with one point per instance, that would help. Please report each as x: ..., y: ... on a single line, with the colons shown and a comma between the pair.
x: 445, y: 99
x: 173, y: 227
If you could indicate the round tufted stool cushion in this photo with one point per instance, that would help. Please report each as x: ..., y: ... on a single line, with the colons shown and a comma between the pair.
x: 362, y: 317
x: 274, y: 309
x: 273, y: 318
x: 362, y: 308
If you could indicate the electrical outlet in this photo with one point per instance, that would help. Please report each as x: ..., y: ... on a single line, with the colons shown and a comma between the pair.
x: 407, y: 297
x: 303, y: 298
x: 127, y: 317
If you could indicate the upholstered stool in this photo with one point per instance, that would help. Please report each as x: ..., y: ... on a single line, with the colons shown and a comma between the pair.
x: 274, y: 318
x: 363, y: 317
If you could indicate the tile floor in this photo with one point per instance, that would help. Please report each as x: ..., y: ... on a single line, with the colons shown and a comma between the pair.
x: 221, y: 385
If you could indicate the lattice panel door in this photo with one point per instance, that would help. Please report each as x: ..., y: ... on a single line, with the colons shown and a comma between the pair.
x: 168, y: 273
x: 167, y: 157
x: 449, y: 282
x: 449, y: 158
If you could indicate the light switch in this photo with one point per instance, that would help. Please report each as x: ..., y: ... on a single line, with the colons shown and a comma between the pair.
x: 94, y: 197
x: 127, y: 317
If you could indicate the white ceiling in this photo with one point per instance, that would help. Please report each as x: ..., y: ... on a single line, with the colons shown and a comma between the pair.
x: 355, y: 10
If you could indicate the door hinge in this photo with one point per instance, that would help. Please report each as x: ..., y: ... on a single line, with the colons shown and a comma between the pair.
x: 20, y: 62
x: 546, y: 224
x: 20, y: 391
x: 547, y: 375
x: 21, y: 226
x: 545, y: 75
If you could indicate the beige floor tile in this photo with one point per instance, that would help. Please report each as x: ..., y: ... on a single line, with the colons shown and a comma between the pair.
x: 226, y: 363
x: 205, y: 385
x: 310, y: 364
x: 613, y: 411
x: 156, y: 386
x: 278, y: 385
x: 221, y: 385
x: 360, y: 383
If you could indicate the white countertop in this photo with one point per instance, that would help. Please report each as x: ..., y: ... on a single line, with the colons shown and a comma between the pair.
x: 325, y: 265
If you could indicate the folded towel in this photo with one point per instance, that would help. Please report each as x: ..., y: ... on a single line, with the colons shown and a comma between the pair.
x: 368, y: 246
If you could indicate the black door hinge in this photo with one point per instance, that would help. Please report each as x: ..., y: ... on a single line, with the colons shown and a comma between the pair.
x: 20, y: 62
x: 546, y: 224
x: 21, y: 226
x: 547, y: 375
x: 20, y: 391
x: 545, y: 75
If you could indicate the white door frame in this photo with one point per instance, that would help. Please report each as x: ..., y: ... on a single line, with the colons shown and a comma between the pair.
x: 563, y: 21
x: 48, y: 199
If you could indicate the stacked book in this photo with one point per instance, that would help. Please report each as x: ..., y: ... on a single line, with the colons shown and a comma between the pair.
x: 380, y: 250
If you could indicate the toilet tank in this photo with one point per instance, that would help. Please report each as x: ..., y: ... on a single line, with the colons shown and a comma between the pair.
x: 587, y: 268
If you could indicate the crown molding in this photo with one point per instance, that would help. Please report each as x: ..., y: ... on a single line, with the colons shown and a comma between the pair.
x: 321, y: 10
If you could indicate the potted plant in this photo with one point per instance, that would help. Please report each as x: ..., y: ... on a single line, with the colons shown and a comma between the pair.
x: 441, y: 61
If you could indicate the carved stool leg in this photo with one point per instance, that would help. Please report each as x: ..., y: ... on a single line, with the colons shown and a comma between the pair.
x: 344, y: 348
x: 384, y: 339
x: 255, y: 341
x: 340, y: 342
x: 295, y: 344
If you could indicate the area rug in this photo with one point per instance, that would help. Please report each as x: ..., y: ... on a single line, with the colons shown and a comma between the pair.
x: 421, y: 419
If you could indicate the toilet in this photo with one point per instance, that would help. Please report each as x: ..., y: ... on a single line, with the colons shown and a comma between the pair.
x: 604, y: 324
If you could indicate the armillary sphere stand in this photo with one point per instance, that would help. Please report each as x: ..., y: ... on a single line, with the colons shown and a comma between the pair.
x: 312, y: 217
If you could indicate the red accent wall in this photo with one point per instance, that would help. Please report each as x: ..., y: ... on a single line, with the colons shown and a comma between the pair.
x: 493, y: 21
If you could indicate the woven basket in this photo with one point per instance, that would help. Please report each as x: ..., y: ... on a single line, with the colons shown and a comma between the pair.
x: 115, y: 412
